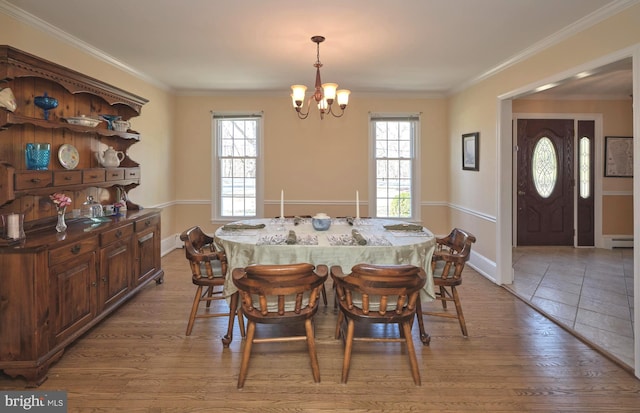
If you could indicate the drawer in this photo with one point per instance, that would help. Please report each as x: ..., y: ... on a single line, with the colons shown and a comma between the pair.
x: 93, y: 175
x: 147, y: 222
x: 116, y: 234
x: 132, y: 173
x: 33, y: 179
x: 115, y: 174
x: 62, y: 254
x: 67, y: 178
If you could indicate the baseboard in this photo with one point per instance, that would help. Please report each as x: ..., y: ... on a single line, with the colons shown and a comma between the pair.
x: 483, y: 265
x: 169, y: 244
x: 617, y: 241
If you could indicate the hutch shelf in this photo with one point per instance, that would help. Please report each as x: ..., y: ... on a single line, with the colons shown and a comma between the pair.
x: 56, y: 286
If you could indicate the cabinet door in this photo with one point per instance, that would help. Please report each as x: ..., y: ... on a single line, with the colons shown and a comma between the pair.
x: 115, y: 272
x: 147, y: 252
x: 73, y: 295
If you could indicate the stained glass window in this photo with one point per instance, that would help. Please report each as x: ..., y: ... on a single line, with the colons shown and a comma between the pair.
x: 585, y: 168
x: 544, y: 167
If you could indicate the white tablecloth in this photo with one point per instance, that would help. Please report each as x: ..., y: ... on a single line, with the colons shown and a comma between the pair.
x: 265, y: 246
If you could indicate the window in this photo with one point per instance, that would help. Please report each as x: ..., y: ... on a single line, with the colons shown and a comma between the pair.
x: 544, y: 167
x: 585, y: 167
x: 237, y: 164
x: 395, y: 164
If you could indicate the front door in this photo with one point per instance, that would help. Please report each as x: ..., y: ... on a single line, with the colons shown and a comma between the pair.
x: 545, y: 182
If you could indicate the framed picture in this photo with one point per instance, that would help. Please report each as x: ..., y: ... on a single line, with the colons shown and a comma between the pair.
x: 618, y: 156
x: 470, y: 151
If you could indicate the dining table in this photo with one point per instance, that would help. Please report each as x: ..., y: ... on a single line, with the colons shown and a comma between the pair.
x: 347, y: 242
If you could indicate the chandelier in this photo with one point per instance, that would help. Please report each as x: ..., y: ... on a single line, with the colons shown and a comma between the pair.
x: 325, y: 94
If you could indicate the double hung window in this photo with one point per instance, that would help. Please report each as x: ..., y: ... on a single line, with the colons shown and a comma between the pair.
x: 237, y: 158
x: 394, y: 141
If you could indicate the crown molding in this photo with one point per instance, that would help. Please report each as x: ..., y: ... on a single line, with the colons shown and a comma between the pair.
x: 51, y: 30
x: 592, y: 19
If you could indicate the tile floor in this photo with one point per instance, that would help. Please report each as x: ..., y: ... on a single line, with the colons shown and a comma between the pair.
x: 589, y: 290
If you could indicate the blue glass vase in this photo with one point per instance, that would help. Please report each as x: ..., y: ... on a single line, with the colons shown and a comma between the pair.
x: 37, y: 156
x: 45, y: 103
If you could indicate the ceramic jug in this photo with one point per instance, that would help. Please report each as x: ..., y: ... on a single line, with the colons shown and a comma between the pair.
x: 110, y: 158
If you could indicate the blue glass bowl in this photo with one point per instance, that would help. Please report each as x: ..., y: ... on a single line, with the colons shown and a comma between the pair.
x: 45, y: 103
x: 321, y: 224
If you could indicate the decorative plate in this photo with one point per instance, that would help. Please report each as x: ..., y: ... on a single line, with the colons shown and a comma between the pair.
x: 83, y: 121
x: 68, y: 156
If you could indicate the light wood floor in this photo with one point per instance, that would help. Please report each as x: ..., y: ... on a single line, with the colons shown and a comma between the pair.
x: 515, y: 360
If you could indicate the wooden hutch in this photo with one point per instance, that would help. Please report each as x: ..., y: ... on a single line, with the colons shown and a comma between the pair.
x: 56, y: 286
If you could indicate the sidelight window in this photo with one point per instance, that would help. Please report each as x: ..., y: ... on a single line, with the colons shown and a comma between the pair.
x: 585, y: 167
x: 544, y: 167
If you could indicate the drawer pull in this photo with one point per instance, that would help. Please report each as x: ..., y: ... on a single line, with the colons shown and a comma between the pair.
x: 147, y: 222
x: 67, y: 178
x: 93, y: 176
x: 114, y: 175
x: 118, y: 233
x: 76, y: 249
x: 35, y: 180
x: 132, y: 174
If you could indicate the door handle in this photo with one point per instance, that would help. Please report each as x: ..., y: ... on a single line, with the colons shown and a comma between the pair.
x: 520, y: 193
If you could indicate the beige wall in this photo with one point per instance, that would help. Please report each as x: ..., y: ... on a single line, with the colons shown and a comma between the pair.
x: 617, y: 120
x: 476, y: 109
x: 318, y: 164
x: 155, y: 124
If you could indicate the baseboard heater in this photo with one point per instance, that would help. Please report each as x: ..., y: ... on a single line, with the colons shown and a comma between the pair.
x: 626, y: 242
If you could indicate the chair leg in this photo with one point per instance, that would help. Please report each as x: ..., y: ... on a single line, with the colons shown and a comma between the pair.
x: 311, y: 345
x: 324, y: 295
x: 194, y: 310
x: 339, y: 324
x: 443, y: 295
x: 413, y: 360
x: 233, y: 305
x: 456, y: 300
x: 243, y: 334
x: 347, y: 351
x: 424, y: 337
x: 244, y: 365
x: 209, y: 295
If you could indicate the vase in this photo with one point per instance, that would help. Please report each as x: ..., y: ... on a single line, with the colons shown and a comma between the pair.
x: 61, y: 226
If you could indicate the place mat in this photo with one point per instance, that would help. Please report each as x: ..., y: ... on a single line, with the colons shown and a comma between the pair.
x: 336, y: 240
x: 404, y: 227
x: 281, y: 239
x: 231, y: 227
x: 410, y: 234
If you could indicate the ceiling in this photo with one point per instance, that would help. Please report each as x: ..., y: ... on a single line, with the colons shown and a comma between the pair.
x: 372, y: 46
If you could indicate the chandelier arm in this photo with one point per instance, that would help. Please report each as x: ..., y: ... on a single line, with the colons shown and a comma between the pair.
x: 330, y: 110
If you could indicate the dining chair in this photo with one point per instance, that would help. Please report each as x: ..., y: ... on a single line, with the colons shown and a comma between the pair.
x: 208, y: 270
x: 378, y: 294
x: 447, y: 263
x: 324, y: 290
x: 279, y: 294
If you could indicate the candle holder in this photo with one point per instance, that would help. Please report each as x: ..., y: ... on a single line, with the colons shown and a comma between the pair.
x: 13, y: 227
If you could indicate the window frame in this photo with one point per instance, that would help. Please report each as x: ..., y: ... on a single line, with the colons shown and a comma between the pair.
x: 216, y: 187
x: 416, y: 118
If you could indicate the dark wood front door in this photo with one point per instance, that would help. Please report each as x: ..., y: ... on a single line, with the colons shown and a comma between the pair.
x: 545, y: 182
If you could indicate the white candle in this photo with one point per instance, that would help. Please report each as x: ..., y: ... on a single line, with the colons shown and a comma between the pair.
x: 13, y: 226
x: 357, y: 205
x: 282, y: 203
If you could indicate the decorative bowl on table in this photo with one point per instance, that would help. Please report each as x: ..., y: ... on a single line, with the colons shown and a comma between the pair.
x: 83, y: 121
x: 321, y: 222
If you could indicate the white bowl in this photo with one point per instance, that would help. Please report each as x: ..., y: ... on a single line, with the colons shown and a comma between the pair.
x: 83, y: 121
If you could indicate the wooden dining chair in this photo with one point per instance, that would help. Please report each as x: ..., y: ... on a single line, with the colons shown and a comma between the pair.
x: 447, y: 263
x: 279, y: 294
x: 374, y: 294
x: 208, y: 270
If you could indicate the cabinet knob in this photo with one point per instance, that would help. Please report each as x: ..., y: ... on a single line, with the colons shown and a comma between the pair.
x: 67, y: 178
x: 94, y: 284
x: 118, y: 233
x: 104, y: 280
x: 75, y: 249
x: 147, y: 222
x: 35, y: 180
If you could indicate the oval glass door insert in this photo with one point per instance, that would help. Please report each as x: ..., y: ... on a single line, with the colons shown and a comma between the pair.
x: 544, y: 167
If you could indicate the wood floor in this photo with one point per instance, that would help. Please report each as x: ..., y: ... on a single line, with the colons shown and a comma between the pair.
x: 515, y: 360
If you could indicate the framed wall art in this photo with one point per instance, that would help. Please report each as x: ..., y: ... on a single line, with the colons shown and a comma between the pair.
x: 471, y: 151
x: 618, y: 156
